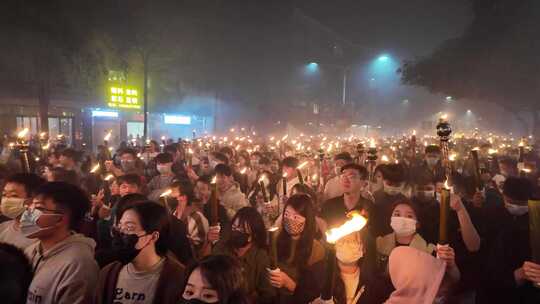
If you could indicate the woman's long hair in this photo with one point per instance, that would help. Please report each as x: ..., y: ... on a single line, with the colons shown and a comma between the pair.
x: 303, y: 204
x: 225, y: 275
x: 249, y: 217
x: 366, y: 265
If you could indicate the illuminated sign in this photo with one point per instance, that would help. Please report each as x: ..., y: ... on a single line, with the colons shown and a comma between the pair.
x: 123, y: 97
x: 177, y: 120
x: 97, y: 113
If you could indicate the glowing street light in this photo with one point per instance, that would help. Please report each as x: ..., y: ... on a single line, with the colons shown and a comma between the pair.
x: 383, y: 58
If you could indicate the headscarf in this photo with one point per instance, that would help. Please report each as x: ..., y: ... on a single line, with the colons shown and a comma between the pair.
x: 416, y: 276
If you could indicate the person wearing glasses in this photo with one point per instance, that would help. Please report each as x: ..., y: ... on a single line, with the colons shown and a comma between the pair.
x: 62, y: 261
x: 144, y: 273
x: 354, y: 182
x: 16, y: 196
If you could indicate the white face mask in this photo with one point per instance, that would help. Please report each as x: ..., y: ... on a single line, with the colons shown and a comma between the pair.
x: 12, y: 207
x: 403, y: 226
x: 391, y: 190
x: 516, y: 210
x: 337, y: 170
x: 426, y: 195
x: 349, y: 252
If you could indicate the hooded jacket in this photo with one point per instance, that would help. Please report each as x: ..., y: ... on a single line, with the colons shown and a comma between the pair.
x: 416, y: 276
x: 66, y: 273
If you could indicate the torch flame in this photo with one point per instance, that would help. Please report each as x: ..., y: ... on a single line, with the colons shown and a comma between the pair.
x: 109, y: 177
x: 285, y: 174
x: 526, y: 170
x: 414, y: 132
x: 273, y: 229
x: 243, y: 171
x: 444, y: 117
x: 46, y: 147
x: 23, y: 133
x: 42, y: 135
x: 314, y: 177
x: 372, y: 143
x: 108, y: 136
x: 446, y: 186
x: 452, y: 157
x: 190, y: 151
x: 214, y: 180
x: 356, y: 223
x: 521, y: 144
x: 302, y: 165
x: 476, y: 149
x: 166, y: 193
x: 385, y: 158
x: 262, y: 179
x: 493, y: 151
x: 284, y: 137
x: 94, y: 169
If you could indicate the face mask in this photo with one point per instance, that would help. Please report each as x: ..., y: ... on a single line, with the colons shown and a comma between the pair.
x: 127, y: 165
x: 29, y: 219
x: 391, y: 190
x: 164, y: 169
x: 516, y: 210
x: 432, y: 161
x: 12, y: 207
x: 337, y: 170
x: 349, y: 252
x: 293, y: 226
x: 403, y: 226
x: 425, y: 195
x: 238, y: 239
x: 194, y: 301
x: 124, y: 246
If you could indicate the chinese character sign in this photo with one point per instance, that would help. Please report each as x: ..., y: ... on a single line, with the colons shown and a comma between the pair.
x: 123, y: 97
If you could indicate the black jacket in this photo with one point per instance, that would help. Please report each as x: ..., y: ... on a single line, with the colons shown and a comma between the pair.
x: 509, y: 248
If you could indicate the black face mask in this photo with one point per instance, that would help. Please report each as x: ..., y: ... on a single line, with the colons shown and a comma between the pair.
x: 238, y: 239
x: 194, y: 301
x: 124, y: 246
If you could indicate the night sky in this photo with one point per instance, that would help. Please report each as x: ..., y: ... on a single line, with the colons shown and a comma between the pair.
x: 403, y: 28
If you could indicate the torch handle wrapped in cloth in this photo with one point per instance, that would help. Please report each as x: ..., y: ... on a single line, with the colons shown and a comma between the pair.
x: 443, y: 131
x: 476, y: 164
x: 330, y: 279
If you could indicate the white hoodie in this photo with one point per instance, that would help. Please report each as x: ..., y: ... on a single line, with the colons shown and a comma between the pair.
x: 64, y: 274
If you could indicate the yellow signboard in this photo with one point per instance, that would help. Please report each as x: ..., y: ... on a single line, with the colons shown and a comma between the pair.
x: 124, y: 97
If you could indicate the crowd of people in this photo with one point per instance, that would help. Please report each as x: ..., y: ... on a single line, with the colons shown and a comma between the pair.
x: 245, y: 221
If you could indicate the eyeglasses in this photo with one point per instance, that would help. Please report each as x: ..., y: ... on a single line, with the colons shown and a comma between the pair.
x: 128, y: 228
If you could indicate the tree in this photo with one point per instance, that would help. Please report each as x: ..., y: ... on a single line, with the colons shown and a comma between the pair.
x: 496, y: 59
x: 45, y: 49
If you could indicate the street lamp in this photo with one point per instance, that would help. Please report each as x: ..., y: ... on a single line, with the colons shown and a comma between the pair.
x: 383, y: 58
x: 312, y: 67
